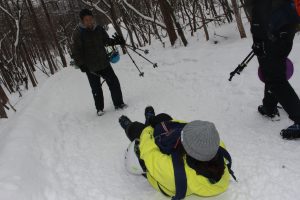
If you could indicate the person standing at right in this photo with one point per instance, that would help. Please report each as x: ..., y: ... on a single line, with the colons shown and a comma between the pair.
x: 273, y: 26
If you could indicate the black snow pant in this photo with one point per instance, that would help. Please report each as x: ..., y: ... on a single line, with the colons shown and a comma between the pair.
x: 277, y: 88
x: 113, y: 83
x: 135, y: 129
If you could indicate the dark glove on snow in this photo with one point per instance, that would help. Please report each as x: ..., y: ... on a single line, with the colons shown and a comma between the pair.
x: 83, y: 68
x: 119, y: 40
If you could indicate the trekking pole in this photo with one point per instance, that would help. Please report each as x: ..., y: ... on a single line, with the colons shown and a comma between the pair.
x: 146, y: 51
x: 242, y: 66
x: 154, y: 64
x: 133, y: 61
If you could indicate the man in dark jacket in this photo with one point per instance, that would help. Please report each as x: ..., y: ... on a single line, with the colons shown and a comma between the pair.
x: 89, y: 54
x: 273, y: 25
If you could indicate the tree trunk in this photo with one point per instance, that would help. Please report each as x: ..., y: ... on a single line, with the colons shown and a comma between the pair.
x: 177, y: 24
x: 2, y: 112
x: 61, y: 53
x: 168, y: 21
x: 203, y: 22
x: 245, y: 10
x: 238, y: 19
x: 27, y: 66
x: 188, y: 16
x: 114, y: 20
x: 41, y: 36
x: 3, y: 101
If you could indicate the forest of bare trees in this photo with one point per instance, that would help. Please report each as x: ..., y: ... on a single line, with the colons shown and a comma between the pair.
x: 35, y: 35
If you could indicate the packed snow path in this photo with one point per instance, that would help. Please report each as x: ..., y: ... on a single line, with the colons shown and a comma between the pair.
x: 56, y: 148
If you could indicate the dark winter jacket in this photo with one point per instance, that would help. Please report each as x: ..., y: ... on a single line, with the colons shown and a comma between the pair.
x: 88, y: 48
x: 268, y: 16
x: 275, y: 4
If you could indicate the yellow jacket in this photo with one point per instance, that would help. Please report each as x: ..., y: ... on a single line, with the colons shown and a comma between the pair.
x: 160, y: 172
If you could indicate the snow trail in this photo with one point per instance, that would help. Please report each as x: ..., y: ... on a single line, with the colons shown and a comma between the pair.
x: 56, y: 148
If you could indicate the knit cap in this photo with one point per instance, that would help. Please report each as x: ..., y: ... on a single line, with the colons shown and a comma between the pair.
x: 200, y: 140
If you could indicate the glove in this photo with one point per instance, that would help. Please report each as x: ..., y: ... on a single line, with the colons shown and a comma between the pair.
x: 119, y: 39
x: 259, y: 49
x: 83, y: 68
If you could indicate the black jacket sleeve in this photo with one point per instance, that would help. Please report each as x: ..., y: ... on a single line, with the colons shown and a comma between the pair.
x: 261, y: 15
x: 76, y: 48
x: 107, y: 40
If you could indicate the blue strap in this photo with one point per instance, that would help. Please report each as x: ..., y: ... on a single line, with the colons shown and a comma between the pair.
x: 180, y: 176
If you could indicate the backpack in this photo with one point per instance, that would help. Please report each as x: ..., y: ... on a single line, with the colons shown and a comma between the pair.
x: 297, y: 6
x: 167, y: 136
x: 288, y: 13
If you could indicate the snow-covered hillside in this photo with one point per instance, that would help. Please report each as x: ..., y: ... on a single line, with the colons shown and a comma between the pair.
x: 56, y: 148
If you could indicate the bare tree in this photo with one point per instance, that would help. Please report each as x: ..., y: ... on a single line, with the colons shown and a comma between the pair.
x: 238, y: 19
x: 3, y: 102
x: 53, y: 32
x: 35, y: 35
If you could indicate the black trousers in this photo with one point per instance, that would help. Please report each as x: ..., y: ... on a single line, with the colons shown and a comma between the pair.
x: 277, y: 88
x: 135, y: 129
x: 113, y: 83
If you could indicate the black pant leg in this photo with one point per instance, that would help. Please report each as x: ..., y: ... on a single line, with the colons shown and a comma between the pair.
x: 289, y: 100
x: 270, y: 101
x: 114, y: 85
x: 163, y: 117
x: 134, y: 130
x: 274, y: 71
x: 96, y: 87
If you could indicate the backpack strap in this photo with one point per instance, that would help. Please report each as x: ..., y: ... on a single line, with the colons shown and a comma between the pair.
x: 227, y: 156
x: 81, y: 30
x: 180, y: 176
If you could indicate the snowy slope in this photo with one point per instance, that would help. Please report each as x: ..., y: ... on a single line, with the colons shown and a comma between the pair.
x: 55, y: 148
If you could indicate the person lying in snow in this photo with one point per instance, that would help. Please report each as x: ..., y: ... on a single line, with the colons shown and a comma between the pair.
x: 178, y: 159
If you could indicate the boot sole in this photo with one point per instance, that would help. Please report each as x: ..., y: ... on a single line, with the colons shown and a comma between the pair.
x: 118, y: 109
x: 100, y: 115
x: 273, y: 119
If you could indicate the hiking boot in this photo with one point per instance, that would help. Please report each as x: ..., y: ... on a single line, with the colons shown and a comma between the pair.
x: 291, y: 133
x: 273, y: 115
x: 100, y: 113
x: 124, y: 122
x: 121, y: 107
x: 149, y: 112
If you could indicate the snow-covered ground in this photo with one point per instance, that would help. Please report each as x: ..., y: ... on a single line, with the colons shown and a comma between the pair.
x: 56, y: 148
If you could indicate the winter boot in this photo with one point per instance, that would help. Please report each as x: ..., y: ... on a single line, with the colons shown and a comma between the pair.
x: 273, y: 114
x: 121, y: 107
x: 124, y: 122
x: 291, y: 133
x: 149, y: 112
x: 100, y: 113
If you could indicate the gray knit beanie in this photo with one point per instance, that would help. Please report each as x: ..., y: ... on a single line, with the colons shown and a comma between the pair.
x: 200, y: 140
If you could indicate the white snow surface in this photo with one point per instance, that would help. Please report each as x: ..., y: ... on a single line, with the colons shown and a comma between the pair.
x: 56, y: 148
